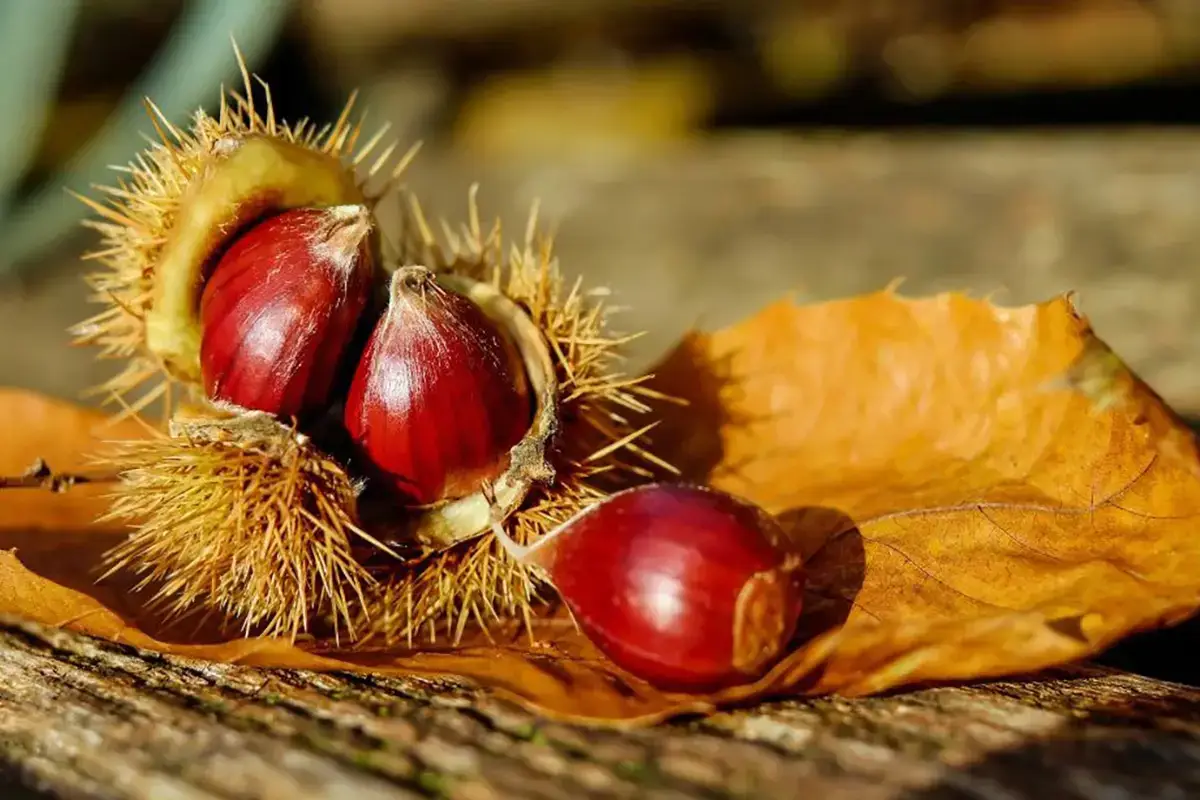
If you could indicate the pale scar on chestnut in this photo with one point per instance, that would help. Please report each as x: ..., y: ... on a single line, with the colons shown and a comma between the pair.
x: 762, y: 623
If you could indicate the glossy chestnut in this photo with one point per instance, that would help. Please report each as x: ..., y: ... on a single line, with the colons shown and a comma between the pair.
x: 687, y: 587
x: 280, y: 308
x: 440, y: 394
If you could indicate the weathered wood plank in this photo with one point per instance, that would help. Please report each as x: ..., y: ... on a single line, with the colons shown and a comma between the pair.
x: 707, y: 233
x: 89, y: 719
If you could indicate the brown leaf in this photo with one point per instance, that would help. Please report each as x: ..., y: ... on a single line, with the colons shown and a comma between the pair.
x: 967, y: 508
x: 1000, y: 523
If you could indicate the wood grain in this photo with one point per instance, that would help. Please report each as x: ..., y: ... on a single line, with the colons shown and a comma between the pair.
x: 81, y: 718
x: 707, y: 233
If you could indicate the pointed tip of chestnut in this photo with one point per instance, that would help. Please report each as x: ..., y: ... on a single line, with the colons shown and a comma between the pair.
x: 416, y: 299
x: 341, y: 233
x: 281, y: 306
x: 440, y: 395
x: 686, y: 587
x: 410, y: 277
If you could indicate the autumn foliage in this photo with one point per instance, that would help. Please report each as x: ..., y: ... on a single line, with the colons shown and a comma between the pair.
x: 976, y: 491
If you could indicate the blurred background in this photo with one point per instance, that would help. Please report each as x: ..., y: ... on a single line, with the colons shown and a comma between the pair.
x: 700, y: 157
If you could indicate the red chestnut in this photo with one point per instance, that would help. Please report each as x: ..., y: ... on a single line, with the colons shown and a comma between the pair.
x: 281, y: 306
x: 683, y: 586
x: 440, y: 395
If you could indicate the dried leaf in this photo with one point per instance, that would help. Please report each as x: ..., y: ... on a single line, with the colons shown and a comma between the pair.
x: 986, y: 519
x: 61, y: 436
x: 967, y: 507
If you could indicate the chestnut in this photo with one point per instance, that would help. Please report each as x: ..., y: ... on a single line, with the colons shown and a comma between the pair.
x: 687, y: 587
x: 440, y: 395
x: 281, y: 306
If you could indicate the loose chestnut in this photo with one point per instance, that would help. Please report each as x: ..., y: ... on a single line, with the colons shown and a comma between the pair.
x: 440, y: 395
x: 281, y: 306
x: 686, y: 587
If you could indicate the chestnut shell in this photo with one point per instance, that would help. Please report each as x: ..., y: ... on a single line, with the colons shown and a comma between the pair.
x: 440, y: 395
x: 687, y: 587
x: 281, y: 307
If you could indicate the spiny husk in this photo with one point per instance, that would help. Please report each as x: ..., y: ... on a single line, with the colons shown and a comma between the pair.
x: 599, y: 448
x: 242, y: 515
x: 138, y: 214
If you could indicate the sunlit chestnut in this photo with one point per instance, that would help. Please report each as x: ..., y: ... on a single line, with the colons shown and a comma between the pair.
x: 687, y: 587
x: 280, y: 308
x: 440, y: 394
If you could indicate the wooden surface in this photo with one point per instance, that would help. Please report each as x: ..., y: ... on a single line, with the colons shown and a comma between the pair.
x: 707, y: 233
x: 700, y: 235
x: 80, y: 718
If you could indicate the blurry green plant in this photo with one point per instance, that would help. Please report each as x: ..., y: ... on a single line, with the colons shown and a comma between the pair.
x: 34, y: 40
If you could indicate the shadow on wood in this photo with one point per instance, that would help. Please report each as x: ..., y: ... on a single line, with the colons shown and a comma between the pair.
x: 1144, y: 747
